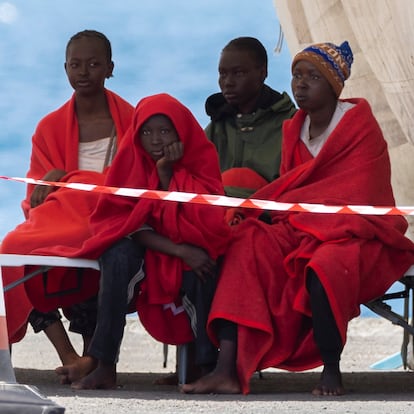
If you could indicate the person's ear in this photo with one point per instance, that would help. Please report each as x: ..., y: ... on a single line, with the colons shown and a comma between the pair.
x: 263, y: 73
x: 110, y: 70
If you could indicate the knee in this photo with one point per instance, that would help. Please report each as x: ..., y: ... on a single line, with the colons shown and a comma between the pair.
x: 122, y: 259
x: 10, y: 244
x: 121, y: 249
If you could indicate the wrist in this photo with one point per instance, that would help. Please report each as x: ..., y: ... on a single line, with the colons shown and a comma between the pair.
x: 179, y: 251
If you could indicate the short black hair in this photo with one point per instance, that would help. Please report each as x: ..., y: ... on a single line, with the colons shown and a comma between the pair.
x: 96, y: 34
x: 249, y: 44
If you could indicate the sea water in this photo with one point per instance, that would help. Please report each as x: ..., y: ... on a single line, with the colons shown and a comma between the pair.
x: 158, y: 46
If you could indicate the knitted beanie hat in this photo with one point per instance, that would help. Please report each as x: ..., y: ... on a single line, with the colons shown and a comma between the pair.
x: 334, y: 62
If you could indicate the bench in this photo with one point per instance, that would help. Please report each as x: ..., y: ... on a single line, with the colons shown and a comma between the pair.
x: 378, y: 306
x: 383, y: 308
x: 45, y: 263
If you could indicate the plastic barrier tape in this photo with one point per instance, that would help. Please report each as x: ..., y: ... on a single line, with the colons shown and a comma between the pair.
x: 225, y: 201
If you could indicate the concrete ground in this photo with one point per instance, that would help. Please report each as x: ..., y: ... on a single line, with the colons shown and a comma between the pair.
x: 369, y: 390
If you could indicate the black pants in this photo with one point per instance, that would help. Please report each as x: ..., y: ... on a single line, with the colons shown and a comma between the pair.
x: 197, y: 298
x: 325, y: 330
x: 119, y: 265
x: 82, y: 318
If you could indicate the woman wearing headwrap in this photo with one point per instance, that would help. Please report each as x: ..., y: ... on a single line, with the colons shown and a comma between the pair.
x: 301, y: 279
x: 164, y: 149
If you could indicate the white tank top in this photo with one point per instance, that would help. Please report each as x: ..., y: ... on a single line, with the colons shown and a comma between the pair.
x: 314, y: 145
x: 92, y: 155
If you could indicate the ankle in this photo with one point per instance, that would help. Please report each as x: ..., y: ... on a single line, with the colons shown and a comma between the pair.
x: 69, y: 357
x: 107, y: 366
x: 332, y: 367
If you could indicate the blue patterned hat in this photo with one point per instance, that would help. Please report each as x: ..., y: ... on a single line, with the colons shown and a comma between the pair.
x: 333, y: 61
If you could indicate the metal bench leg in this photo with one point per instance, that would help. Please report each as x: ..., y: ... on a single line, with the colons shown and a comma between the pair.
x: 182, y: 363
x: 165, y: 353
x: 406, y: 336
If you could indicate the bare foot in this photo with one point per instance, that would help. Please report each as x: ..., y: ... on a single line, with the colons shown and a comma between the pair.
x: 171, y: 379
x: 103, y: 377
x: 70, y: 358
x: 330, y: 383
x: 77, y: 370
x: 213, y: 383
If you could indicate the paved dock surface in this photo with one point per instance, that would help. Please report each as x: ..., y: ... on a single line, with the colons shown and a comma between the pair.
x: 369, y: 391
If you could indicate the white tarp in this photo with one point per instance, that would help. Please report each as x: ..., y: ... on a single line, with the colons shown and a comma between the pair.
x: 381, y: 35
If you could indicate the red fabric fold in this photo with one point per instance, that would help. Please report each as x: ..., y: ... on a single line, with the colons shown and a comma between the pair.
x: 200, y: 225
x: 356, y: 257
x: 62, y: 218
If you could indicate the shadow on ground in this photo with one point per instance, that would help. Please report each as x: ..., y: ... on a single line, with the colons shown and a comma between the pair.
x: 373, y: 386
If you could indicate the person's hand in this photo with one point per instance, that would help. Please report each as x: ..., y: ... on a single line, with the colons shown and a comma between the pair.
x: 172, y: 153
x: 199, y: 261
x: 40, y: 192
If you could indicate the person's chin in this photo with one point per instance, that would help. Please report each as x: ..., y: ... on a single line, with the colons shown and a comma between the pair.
x: 232, y: 99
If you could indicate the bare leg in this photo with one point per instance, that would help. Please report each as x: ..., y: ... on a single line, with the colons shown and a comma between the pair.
x: 76, y: 370
x: 59, y: 338
x: 330, y: 382
x: 102, y: 377
x: 86, y: 341
x: 327, y: 338
x: 223, y: 379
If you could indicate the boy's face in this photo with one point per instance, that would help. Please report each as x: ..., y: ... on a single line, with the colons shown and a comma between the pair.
x: 87, y: 65
x: 156, y: 133
x: 310, y: 88
x: 240, y: 79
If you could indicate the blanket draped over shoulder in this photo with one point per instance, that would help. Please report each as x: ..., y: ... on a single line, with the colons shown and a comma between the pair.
x: 200, y: 225
x: 63, y: 218
x: 356, y: 257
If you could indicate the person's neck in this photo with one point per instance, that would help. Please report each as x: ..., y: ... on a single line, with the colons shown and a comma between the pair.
x: 320, y: 120
x: 250, y: 106
x: 91, y: 105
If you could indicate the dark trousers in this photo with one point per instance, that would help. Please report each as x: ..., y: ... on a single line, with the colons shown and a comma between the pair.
x: 325, y: 330
x: 82, y: 317
x: 119, y: 264
x: 197, y: 298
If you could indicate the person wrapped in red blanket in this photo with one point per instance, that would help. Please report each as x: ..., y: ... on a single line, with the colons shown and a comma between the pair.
x: 74, y: 143
x: 164, y: 149
x: 299, y: 280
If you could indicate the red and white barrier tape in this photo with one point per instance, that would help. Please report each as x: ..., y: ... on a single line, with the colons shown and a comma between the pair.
x: 225, y: 201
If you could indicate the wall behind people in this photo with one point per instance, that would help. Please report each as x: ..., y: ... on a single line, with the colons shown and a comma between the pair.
x: 382, y: 33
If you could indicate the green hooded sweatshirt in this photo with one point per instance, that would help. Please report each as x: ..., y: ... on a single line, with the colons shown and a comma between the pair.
x: 249, y: 140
